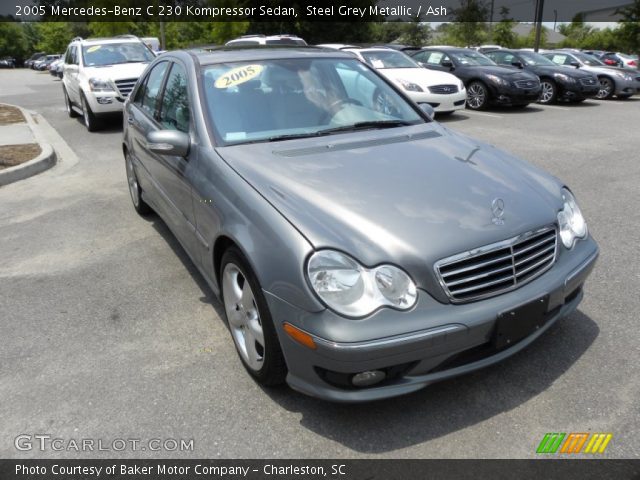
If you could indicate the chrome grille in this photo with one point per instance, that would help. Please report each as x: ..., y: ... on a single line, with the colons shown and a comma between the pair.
x: 588, y: 81
x: 527, y: 83
x: 444, y: 89
x: 499, y: 267
x: 125, y: 86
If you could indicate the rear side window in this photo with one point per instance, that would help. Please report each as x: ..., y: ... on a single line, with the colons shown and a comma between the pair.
x: 174, y: 108
x: 147, y: 95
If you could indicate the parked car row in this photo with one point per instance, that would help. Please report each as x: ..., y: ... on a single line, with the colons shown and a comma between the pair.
x: 7, y: 62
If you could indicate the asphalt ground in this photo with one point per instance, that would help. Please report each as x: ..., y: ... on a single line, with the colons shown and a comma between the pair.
x: 108, y: 332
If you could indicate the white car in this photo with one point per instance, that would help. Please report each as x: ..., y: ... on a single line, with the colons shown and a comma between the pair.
x: 99, y: 74
x: 249, y: 40
x: 443, y: 91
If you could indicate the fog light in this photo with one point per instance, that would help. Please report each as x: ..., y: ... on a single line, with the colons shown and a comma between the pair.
x: 368, y: 378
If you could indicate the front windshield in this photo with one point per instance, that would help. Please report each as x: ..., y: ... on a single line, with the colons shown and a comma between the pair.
x: 535, y: 59
x: 115, y: 53
x: 472, y: 58
x: 381, y: 59
x: 588, y: 59
x: 270, y: 100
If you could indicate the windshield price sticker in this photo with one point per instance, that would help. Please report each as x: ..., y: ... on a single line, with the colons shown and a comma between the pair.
x: 238, y: 75
x: 94, y: 48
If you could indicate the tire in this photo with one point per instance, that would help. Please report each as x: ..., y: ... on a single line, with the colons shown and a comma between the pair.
x: 607, y: 88
x: 249, y: 320
x: 67, y: 103
x: 477, y: 96
x: 90, y: 120
x: 549, y: 93
x: 135, y: 191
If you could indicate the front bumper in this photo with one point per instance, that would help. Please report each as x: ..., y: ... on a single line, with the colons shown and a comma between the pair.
x: 511, y: 95
x: 440, y: 102
x: 627, y: 87
x: 104, y: 102
x: 576, y: 90
x: 452, y: 340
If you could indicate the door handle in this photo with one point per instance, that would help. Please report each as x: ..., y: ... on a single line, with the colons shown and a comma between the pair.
x: 131, y: 120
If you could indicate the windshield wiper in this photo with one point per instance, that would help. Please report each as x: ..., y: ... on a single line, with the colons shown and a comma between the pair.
x: 366, y: 125
x: 344, y: 128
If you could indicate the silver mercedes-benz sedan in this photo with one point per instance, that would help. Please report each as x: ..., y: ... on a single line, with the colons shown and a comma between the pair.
x: 360, y: 249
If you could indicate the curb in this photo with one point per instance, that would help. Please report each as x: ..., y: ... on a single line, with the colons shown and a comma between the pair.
x: 42, y: 162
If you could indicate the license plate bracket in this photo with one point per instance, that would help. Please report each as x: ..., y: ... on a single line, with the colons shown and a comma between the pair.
x: 517, y: 323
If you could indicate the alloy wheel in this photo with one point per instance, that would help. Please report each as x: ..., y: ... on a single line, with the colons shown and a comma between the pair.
x: 134, y: 190
x: 547, y: 92
x: 475, y: 96
x: 605, y: 88
x: 244, y: 317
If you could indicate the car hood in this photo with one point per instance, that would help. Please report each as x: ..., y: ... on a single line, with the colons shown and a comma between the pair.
x: 420, y: 76
x: 116, y: 72
x: 409, y: 195
x: 549, y: 70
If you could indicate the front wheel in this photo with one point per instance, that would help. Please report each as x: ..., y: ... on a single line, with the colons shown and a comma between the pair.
x: 250, y: 321
x: 90, y: 120
x: 477, y: 96
x: 549, y: 93
x: 606, y: 88
x: 67, y: 104
x: 134, y: 187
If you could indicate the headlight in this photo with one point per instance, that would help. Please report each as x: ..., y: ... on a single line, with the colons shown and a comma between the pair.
x: 410, y: 86
x: 564, y: 78
x: 570, y: 219
x: 100, y: 85
x: 355, y: 291
x: 497, y: 79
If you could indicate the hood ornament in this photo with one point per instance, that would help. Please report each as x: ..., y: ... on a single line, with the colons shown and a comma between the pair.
x: 497, y: 209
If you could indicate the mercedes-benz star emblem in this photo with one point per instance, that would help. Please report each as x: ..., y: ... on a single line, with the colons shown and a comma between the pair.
x: 497, y: 208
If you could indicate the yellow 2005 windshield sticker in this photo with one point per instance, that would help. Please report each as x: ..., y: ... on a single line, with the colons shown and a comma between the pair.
x: 94, y: 48
x: 238, y: 75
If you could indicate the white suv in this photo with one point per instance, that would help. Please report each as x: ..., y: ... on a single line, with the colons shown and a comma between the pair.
x: 98, y: 75
x: 248, y: 40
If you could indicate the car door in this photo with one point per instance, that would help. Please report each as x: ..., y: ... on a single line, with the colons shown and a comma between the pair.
x: 174, y: 174
x: 141, y: 113
x: 70, y: 73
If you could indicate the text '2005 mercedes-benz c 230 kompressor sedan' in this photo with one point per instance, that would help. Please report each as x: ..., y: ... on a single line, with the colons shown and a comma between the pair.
x: 360, y: 250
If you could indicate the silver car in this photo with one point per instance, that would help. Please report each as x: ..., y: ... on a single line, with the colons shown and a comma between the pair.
x: 621, y: 82
x: 360, y: 250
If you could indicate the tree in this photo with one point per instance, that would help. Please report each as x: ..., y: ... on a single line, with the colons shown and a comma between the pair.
x: 13, y: 41
x: 630, y: 29
x: 54, y: 36
x: 415, y: 32
x: 470, y: 27
x: 503, y: 33
x: 386, y: 32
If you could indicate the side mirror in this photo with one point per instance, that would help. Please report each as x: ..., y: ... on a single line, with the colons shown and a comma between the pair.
x: 422, y: 64
x: 447, y: 64
x: 169, y: 142
x: 575, y: 64
x: 428, y: 110
x: 517, y: 63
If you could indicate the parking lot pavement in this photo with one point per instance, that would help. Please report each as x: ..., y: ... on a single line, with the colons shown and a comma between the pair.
x: 109, y: 332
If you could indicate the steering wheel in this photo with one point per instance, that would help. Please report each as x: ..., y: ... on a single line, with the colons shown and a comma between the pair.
x: 338, y: 105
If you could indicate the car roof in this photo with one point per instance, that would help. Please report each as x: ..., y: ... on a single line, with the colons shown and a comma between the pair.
x: 452, y: 49
x: 99, y: 40
x: 242, y: 54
